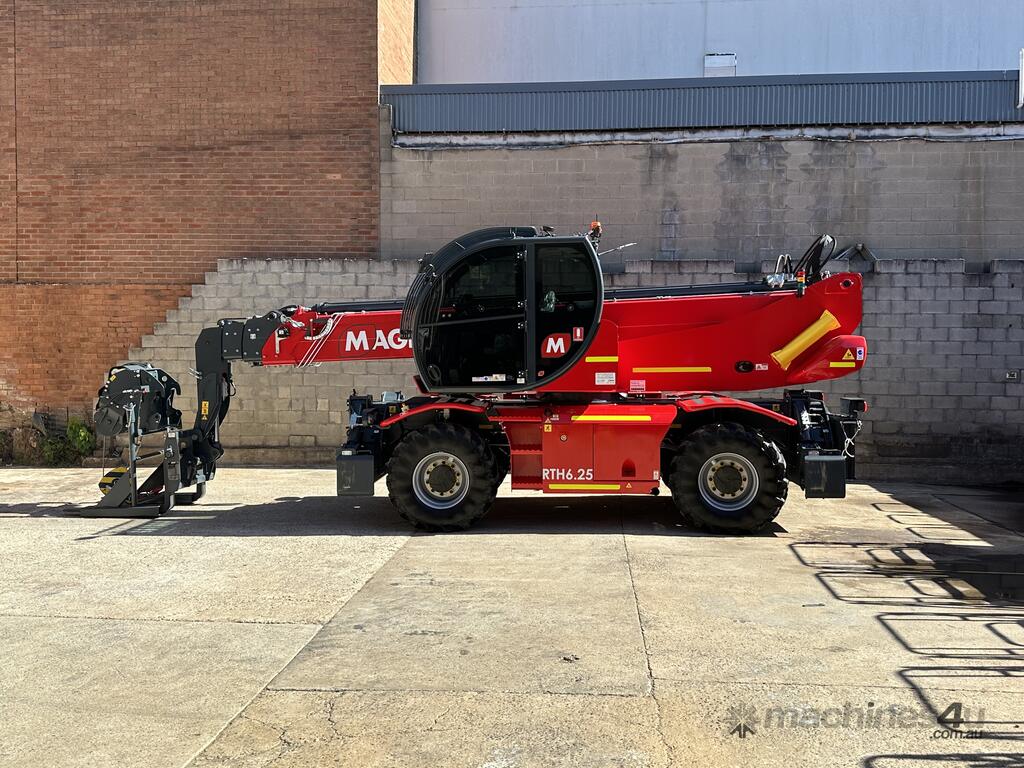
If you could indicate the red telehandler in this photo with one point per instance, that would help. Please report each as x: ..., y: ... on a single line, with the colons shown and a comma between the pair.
x: 528, y: 365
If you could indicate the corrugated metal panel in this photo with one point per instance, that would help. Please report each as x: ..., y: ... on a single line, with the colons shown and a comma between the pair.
x: 784, y: 101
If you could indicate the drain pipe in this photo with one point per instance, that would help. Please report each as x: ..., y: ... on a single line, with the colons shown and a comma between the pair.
x: 1020, y: 82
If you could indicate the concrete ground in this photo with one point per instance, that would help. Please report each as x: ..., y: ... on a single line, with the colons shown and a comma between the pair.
x: 274, y: 624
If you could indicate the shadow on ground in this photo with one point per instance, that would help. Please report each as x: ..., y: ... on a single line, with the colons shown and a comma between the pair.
x: 375, y: 516
x: 953, y: 597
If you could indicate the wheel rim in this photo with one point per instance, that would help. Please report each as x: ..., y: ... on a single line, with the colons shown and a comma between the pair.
x: 727, y: 482
x: 440, y: 480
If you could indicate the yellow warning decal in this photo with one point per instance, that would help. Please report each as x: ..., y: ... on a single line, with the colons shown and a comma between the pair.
x: 584, y: 486
x: 848, y: 355
x: 602, y: 358
x: 841, y: 364
x: 108, y: 480
x: 677, y: 369
x: 204, y: 409
x: 547, y: 427
x: 625, y: 417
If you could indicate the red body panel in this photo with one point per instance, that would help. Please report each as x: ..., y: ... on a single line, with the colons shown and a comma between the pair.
x: 465, y: 407
x: 649, y: 345
x: 644, y: 346
x: 683, y: 344
x: 317, y: 338
x: 706, y: 401
x: 595, y: 448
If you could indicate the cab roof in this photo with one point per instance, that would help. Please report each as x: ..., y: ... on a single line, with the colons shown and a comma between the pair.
x: 443, y: 257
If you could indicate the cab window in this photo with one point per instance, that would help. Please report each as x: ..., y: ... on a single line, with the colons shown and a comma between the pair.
x: 474, y: 336
x: 566, y: 304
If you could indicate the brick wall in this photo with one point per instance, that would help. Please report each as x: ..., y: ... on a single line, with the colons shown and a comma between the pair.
x: 67, y: 335
x: 743, y: 200
x: 395, y: 30
x: 154, y: 138
x: 7, y: 137
x: 941, y: 340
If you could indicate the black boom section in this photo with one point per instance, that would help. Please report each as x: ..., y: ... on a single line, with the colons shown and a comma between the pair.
x: 216, y: 347
x: 711, y: 289
x: 330, y: 308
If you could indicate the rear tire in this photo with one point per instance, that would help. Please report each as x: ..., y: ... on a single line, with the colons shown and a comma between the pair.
x: 442, y: 478
x: 727, y: 477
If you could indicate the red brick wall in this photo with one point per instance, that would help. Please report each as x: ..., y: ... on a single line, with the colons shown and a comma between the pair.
x: 7, y: 155
x: 156, y: 136
x: 67, y: 335
x: 395, y: 32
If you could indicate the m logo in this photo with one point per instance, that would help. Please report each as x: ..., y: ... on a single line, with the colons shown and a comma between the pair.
x: 555, y: 345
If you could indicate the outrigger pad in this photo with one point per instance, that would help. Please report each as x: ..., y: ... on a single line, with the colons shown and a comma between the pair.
x: 825, y: 476
x: 355, y: 475
x: 154, y: 496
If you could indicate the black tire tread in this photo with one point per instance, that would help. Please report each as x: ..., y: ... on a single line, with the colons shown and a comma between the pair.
x: 473, y: 451
x: 694, y: 450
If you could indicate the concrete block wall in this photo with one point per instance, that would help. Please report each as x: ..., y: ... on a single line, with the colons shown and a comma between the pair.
x: 940, y: 339
x: 281, y: 415
x: 742, y: 200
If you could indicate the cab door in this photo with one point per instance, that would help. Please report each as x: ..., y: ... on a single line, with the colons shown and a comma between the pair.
x: 473, y: 337
x: 564, y: 308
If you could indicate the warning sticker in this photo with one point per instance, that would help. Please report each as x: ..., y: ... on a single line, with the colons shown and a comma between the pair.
x: 638, y: 385
x: 860, y: 353
x: 605, y: 378
x: 848, y: 355
x: 760, y: 366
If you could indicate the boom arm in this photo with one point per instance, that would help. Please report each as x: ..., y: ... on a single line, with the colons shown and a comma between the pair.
x: 326, y: 335
x: 295, y: 336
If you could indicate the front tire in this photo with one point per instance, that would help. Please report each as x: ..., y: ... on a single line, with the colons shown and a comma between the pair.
x: 442, y: 478
x: 727, y: 477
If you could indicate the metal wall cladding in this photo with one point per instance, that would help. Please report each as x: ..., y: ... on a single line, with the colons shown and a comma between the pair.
x: 740, y: 102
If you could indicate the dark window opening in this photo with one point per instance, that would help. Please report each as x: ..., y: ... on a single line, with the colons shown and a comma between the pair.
x: 476, y: 337
x: 567, y: 296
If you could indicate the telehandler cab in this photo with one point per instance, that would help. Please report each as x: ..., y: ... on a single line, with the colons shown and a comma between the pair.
x: 528, y: 366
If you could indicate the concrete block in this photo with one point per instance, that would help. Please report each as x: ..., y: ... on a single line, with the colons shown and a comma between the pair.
x: 934, y: 306
x: 994, y: 307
